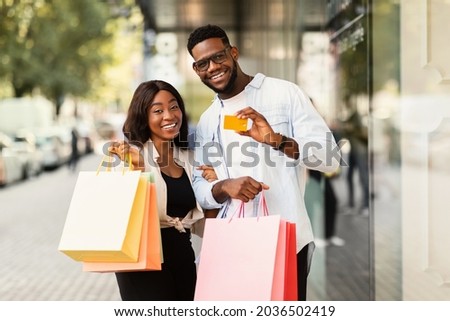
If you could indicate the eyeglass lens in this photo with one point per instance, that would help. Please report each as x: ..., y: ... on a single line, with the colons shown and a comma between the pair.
x: 217, y: 58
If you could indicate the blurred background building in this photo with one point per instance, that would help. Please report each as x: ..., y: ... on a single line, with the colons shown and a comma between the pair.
x: 376, y: 70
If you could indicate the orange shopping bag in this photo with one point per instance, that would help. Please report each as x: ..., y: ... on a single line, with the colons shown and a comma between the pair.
x: 150, y: 251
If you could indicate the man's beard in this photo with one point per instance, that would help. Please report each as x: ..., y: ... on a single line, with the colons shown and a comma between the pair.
x: 230, y: 85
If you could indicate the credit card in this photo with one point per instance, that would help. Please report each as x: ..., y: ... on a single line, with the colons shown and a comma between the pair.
x: 233, y: 123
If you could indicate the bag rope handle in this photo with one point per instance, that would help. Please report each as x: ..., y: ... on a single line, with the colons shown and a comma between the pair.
x: 127, y: 160
x: 262, y: 208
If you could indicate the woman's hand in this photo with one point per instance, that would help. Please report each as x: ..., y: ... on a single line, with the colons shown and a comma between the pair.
x: 208, y: 172
x: 211, y: 213
x: 122, y: 149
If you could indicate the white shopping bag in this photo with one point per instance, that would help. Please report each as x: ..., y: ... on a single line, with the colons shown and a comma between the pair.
x: 104, y: 220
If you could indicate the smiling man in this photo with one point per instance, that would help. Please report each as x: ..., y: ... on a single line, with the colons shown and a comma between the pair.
x: 285, y: 136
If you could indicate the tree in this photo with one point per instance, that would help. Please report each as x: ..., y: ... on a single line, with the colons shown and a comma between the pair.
x: 15, y: 56
x: 56, y: 46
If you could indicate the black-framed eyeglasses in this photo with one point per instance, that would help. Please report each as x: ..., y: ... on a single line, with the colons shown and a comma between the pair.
x: 217, y: 58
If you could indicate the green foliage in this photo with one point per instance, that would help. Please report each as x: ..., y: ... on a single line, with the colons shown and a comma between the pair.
x: 55, y: 46
x: 386, y: 44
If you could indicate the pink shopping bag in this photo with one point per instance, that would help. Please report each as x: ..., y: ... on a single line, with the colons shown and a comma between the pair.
x: 246, y: 258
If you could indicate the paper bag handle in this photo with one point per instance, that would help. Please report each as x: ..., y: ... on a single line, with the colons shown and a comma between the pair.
x: 128, y: 159
x: 262, y: 208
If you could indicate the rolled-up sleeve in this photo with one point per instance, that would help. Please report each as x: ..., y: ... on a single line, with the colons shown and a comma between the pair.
x: 317, y: 146
x: 202, y: 188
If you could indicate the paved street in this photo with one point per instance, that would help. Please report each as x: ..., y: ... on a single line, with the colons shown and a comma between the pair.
x: 32, y: 216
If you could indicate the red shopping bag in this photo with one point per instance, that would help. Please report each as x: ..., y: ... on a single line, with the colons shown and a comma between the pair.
x: 150, y: 250
x: 247, y: 258
x: 290, y: 278
x: 285, y: 274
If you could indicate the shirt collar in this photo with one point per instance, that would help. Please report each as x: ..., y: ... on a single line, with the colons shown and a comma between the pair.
x: 256, y: 82
x: 177, y: 155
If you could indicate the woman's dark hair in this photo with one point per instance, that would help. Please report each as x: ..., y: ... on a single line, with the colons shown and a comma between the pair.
x: 136, y: 128
x: 202, y: 33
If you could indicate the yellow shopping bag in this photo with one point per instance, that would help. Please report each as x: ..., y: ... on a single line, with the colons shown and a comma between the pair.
x: 150, y: 251
x: 105, y: 216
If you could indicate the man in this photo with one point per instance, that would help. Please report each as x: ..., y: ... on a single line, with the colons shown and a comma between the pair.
x: 285, y: 135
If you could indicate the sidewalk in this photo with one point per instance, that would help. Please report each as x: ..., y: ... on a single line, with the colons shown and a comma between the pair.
x: 31, y: 221
x: 340, y: 272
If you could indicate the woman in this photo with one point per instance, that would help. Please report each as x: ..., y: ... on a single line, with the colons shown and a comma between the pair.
x: 157, y: 131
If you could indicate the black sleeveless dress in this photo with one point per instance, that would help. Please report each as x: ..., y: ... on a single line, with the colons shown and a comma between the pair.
x: 176, y: 281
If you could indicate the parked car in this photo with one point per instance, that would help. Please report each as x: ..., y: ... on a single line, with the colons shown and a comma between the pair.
x: 55, y: 145
x: 11, y: 169
x: 108, y: 128
x: 25, y: 145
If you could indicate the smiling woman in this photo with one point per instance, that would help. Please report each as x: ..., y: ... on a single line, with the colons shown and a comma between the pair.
x: 157, y: 126
x: 164, y: 117
x: 152, y: 98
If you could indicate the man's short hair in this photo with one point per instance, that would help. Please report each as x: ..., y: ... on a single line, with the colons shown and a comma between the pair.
x: 205, y: 32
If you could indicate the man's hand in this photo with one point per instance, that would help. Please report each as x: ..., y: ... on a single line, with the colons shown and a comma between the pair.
x: 242, y: 188
x: 261, y: 131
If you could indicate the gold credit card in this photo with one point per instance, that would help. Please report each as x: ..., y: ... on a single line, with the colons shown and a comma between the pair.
x: 234, y: 123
